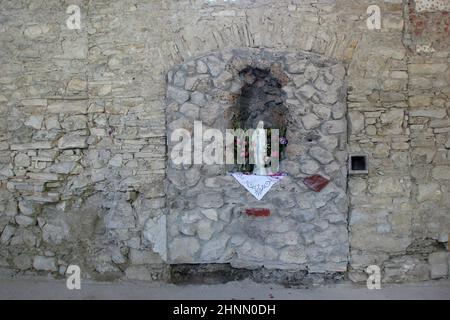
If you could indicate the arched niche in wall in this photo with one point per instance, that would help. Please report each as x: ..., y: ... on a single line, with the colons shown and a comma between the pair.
x: 261, y: 99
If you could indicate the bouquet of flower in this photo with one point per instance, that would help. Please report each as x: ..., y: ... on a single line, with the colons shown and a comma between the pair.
x: 244, y: 148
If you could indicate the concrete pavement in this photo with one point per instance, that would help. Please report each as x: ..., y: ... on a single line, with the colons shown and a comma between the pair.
x: 42, y: 288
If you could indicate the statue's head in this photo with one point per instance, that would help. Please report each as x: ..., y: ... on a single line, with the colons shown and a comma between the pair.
x: 260, y: 125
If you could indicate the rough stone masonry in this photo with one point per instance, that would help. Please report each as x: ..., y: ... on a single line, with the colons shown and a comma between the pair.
x: 206, y: 217
x: 84, y: 172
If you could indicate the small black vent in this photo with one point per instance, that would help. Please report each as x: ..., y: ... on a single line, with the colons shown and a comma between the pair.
x: 358, y: 164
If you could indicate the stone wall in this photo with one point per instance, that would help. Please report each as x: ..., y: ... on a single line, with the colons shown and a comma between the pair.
x: 83, y: 136
x: 399, y: 216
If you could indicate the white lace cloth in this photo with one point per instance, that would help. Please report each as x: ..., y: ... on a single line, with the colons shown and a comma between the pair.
x: 258, y: 186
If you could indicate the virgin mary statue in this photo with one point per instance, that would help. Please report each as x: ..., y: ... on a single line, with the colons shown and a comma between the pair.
x: 259, y: 140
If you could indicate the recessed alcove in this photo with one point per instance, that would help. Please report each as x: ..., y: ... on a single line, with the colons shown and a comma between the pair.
x: 261, y: 98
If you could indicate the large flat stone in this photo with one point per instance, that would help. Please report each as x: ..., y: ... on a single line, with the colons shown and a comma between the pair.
x: 44, y: 263
x: 68, y: 106
x: 72, y: 142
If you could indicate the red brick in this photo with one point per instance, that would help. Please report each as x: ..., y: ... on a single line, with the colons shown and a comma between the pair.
x: 316, y: 182
x: 257, y: 212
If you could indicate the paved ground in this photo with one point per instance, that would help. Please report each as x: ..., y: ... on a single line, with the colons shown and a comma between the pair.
x: 41, y: 288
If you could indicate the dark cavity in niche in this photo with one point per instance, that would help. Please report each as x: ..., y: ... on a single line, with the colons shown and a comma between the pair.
x: 261, y: 99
